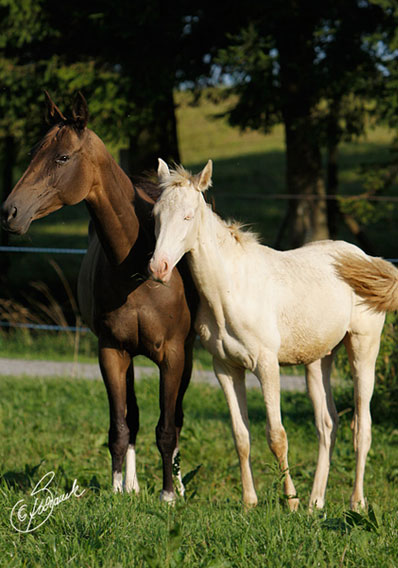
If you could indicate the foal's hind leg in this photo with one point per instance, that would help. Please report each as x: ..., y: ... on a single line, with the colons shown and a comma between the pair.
x: 362, y: 351
x: 326, y: 421
x: 132, y: 418
x: 114, y: 365
x: 267, y: 372
x: 232, y: 381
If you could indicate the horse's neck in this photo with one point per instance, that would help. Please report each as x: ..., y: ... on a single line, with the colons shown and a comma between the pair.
x: 208, y: 262
x: 111, y: 206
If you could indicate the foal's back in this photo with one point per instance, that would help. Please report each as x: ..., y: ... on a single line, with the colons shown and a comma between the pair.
x: 293, y: 303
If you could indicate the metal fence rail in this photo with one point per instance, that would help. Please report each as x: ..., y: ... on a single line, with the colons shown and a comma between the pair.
x: 42, y: 250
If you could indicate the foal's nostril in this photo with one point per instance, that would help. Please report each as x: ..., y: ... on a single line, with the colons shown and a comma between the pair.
x: 13, y: 214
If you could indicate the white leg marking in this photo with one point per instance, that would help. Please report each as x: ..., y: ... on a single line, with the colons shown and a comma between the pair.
x: 130, y: 480
x: 117, y: 481
x: 177, y: 471
x: 167, y: 496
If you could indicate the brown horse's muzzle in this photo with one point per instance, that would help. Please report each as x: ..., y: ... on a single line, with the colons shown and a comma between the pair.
x: 15, y: 219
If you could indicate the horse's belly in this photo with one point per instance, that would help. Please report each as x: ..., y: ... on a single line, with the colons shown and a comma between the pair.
x: 302, y: 346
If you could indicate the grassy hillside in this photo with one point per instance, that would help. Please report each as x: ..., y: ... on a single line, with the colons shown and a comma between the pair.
x: 248, y: 167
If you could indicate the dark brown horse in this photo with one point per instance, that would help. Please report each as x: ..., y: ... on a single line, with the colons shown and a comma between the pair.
x: 130, y: 314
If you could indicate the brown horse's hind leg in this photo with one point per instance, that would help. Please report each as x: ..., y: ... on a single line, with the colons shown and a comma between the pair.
x: 114, y: 365
x: 171, y: 370
x: 179, y: 414
x: 132, y: 418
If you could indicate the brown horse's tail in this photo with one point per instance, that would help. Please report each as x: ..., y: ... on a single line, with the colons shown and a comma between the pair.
x: 374, y: 279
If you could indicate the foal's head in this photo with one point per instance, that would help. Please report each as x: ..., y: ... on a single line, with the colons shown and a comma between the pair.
x: 60, y: 173
x: 176, y: 216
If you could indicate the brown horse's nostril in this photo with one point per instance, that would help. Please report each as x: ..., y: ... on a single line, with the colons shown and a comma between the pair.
x: 8, y: 214
x: 13, y: 214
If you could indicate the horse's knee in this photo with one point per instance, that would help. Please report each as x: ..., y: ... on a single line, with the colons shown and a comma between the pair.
x: 327, y: 430
x: 277, y: 441
x: 119, y: 436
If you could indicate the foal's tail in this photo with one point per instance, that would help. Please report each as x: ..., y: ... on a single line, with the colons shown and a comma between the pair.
x: 374, y: 279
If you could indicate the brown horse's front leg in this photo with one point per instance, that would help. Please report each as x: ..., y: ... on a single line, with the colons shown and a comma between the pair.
x: 133, y: 417
x: 114, y: 365
x: 171, y: 371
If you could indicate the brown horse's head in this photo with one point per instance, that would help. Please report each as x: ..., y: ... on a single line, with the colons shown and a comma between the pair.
x: 60, y: 172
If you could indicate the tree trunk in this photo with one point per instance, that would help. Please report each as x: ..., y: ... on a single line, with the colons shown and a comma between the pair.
x: 306, y: 216
x: 332, y: 185
x: 158, y: 139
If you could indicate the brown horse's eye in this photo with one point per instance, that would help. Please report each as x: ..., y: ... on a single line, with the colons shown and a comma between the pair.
x: 62, y: 159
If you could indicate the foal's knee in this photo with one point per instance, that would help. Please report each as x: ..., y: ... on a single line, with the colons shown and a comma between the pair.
x: 327, y: 431
x: 277, y: 441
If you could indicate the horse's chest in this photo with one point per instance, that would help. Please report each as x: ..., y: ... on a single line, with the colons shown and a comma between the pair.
x: 223, y: 342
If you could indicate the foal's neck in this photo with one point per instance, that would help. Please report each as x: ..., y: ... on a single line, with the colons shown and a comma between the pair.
x: 206, y: 261
x: 111, y: 206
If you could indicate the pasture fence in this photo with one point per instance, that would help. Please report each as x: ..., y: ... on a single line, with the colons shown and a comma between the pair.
x: 52, y: 250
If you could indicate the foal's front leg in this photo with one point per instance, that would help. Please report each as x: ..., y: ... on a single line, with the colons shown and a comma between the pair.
x: 232, y: 381
x: 267, y: 372
x: 326, y: 421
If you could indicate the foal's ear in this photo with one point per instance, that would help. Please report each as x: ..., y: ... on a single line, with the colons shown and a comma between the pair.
x: 204, y: 177
x: 53, y: 114
x: 163, y: 170
x: 80, y: 112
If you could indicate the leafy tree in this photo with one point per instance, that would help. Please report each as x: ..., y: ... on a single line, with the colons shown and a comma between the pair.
x: 313, y: 66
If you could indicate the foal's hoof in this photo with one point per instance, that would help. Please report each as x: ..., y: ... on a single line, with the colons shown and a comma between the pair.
x: 358, y: 506
x: 167, y: 497
x: 250, y: 503
x: 293, y: 503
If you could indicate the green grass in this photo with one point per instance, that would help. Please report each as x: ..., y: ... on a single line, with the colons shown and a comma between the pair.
x: 61, y: 425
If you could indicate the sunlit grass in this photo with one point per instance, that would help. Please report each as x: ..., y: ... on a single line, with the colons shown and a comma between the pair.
x: 61, y: 425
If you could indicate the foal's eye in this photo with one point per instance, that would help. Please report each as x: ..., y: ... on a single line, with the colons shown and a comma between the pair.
x: 188, y: 217
x: 62, y: 159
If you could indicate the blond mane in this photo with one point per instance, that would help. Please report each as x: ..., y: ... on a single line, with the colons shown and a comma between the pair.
x: 179, y: 176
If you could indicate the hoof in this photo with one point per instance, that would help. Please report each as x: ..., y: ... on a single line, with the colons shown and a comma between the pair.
x: 117, y: 482
x: 131, y: 486
x: 250, y: 502
x: 168, y: 497
x: 293, y: 503
x: 358, y: 506
x: 316, y: 505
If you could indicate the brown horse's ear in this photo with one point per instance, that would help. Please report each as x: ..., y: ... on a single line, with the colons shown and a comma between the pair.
x: 53, y: 115
x: 80, y: 112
